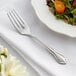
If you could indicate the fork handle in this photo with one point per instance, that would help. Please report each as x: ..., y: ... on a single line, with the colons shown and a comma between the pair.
x: 58, y: 57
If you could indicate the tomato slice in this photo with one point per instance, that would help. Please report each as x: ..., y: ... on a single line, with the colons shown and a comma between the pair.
x: 59, y: 6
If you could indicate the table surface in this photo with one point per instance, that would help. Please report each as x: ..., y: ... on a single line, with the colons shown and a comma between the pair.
x: 64, y: 44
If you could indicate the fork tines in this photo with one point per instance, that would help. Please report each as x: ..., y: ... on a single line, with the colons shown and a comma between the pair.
x: 16, y: 19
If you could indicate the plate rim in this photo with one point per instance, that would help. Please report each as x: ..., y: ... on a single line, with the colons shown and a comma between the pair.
x: 63, y: 33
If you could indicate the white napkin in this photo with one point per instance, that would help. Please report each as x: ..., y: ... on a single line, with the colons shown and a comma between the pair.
x: 6, y: 30
x: 33, y: 51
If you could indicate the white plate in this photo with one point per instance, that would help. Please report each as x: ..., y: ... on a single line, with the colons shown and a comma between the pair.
x: 49, y: 19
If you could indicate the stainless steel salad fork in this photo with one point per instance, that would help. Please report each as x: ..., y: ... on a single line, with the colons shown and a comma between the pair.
x: 22, y: 27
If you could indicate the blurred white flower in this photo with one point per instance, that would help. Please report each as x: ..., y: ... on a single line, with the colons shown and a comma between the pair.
x: 3, y: 50
x: 13, y: 67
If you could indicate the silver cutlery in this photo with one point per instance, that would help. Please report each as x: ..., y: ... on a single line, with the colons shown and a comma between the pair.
x: 22, y: 27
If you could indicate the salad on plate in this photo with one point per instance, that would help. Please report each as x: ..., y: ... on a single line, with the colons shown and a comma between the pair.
x: 63, y: 9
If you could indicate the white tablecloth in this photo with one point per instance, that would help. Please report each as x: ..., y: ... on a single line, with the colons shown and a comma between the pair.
x: 62, y: 44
